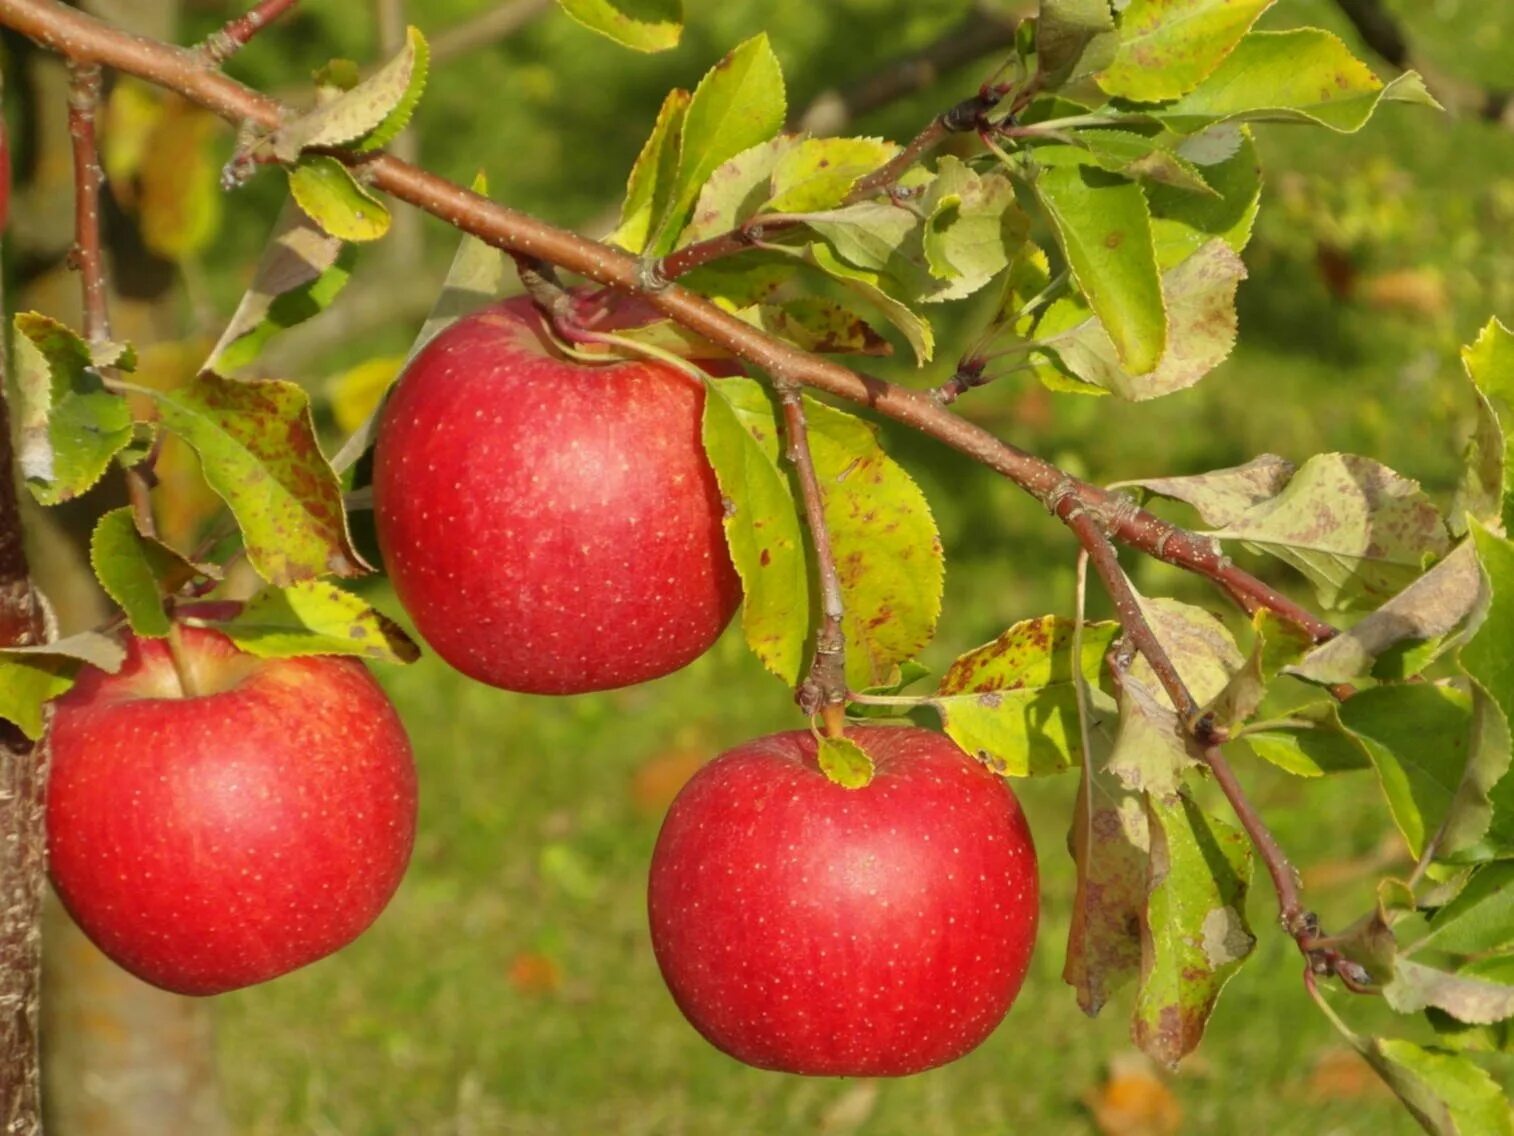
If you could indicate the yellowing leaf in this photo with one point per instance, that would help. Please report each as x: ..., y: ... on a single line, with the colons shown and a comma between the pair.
x: 257, y: 445
x: 642, y: 25
x: 845, y: 763
x: 1167, y: 47
x: 314, y: 617
x: 335, y: 200
x: 649, y: 190
x: 819, y: 172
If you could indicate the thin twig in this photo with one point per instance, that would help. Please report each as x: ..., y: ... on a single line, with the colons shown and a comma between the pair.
x: 966, y: 116
x: 979, y: 34
x: 824, y: 689
x: 1296, y: 919
x: 221, y: 45
x: 70, y: 32
x: 88, y: 252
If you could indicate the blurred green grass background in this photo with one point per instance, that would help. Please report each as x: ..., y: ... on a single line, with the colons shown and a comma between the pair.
x: 510, y: 988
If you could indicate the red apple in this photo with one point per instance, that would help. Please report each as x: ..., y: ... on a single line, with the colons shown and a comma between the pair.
x: 870, y: 932
x: 215, y: 841
x: 551, y: 526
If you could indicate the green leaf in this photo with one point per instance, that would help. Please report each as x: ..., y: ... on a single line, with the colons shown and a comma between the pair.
x: 1418, y: 737
x: 884, y: 543
x: 316, y: 618
x: 1199, y: 295
x: 1316, y: 743
x: 398, y: 118
x: 301, y: 272
x: 1223, y: 495
x: 1194, y: 934
x: 1448, y: 1095
x: 1183, y: 222
x: 133, y: 567
x: 1150, y: 751
x: 878, y: 290
x: 1168, y: 47
x: 739, y: 103
x: 391, y: 90
x: 972, y: 228
x: 1012, y: 702
x: 69, y: 426
x: 1479, y: 921
x: 1104, y: 227
x: 1276, y: 644
x: 641, y: 25
x: 335, y: 200
x: 1074, y: 38
x: 1451, y: 592
x: 257, y: 446
x: 1144, y: 158
x: 1303, y: 75
x: 1110, y: 843
x: 1488, y: 481
x: 876, y: 235
x: 818, y: 173
x: 28, y: 683
x: 845, y: 763
x: 741, y: 438
x: 92, y: 647
x: 1355, y: 528
x: 649, y: 189
x: 737, y: 190
x: 1489, y: 656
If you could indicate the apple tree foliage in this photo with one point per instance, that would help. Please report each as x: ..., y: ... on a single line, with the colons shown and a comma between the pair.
x: 1106, y: 212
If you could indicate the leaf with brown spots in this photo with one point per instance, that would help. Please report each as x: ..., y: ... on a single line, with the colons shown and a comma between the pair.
x: 258, y: 449
x: 1453, y: 593
x: 317, y: 618
x: 1110, y: 842
x: 884, y: 542
x: 1199, y: 295
x: 1356, y: 529
x: 1223, y: 495
x: 1150, y: 751
x: 1012, y: 702
x: 1301, y: 75
x: 1168, y: 47
x: 1194, y: 936
x: 819, y: 172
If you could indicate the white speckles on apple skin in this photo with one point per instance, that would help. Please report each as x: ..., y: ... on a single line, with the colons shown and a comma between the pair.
x: 813, y: 929
x: 215, y: 842
x: 584, y: 549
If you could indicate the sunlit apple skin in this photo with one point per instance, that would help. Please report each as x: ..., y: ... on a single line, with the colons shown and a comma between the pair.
x: 876, y: 932
x: 218, y: 841
x: 552, y: 527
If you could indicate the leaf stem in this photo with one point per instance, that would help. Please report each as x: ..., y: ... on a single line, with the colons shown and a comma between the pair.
x: 824, y: 688
x: 965, y: 117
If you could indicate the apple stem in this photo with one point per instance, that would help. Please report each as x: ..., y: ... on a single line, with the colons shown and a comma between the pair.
x: 824, y: 688
x: 182, y: 667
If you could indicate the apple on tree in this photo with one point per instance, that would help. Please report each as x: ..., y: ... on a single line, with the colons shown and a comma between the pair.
x: 552, y: 526
x: 810, y: 928
x: 214, y: 840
